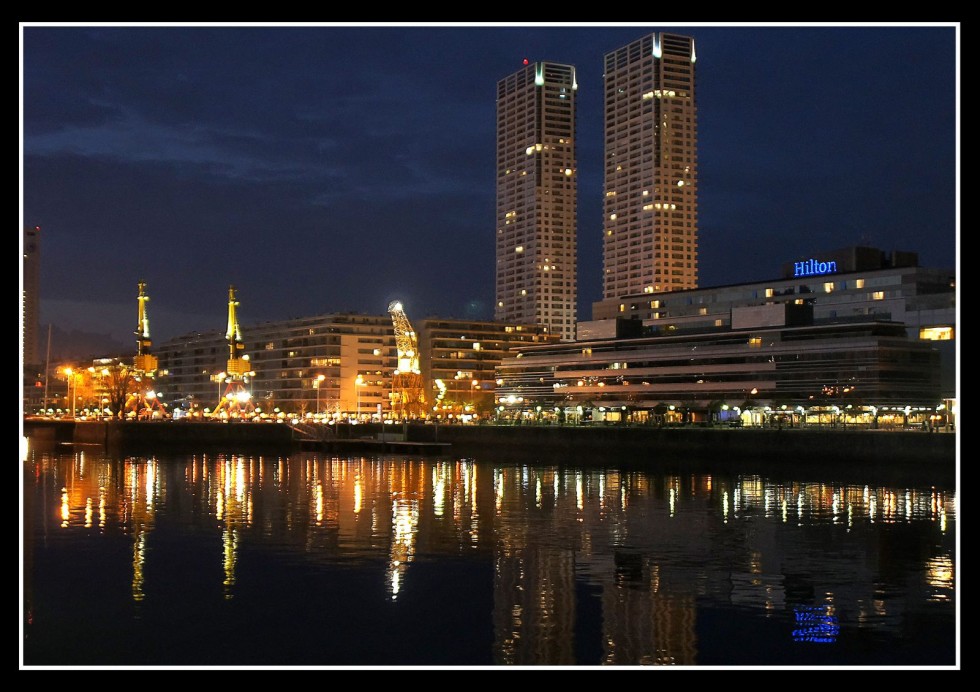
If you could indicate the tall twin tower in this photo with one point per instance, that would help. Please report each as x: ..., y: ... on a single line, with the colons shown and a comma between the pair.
x: 649, y: 223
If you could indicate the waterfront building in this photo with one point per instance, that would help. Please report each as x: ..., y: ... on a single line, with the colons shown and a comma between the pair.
x: 30, y: 295
x: 327, y: 365
x: 341, y: 364
x: 650, y: 213
x: 459, y: 358
x: 536, y: 219
x: 853, y: 283
x: 770, y: 362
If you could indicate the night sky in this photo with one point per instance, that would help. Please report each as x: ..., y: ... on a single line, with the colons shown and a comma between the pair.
x: 326, y: 169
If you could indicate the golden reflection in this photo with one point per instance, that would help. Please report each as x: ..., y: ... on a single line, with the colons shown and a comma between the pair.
x: 579, y: 499
x: 404, y: 524
x: 88, y: 512
x: 65, y: 511
x: 318, y: 502
x: 940, y: 575
x: 139, y: 559
x: 229, y: 545
x: 439, y: 489
x: 358, y: 492
x: 150, y: 484
x: 672, y: 502
x: 724, y: 506
x: 102, y: 507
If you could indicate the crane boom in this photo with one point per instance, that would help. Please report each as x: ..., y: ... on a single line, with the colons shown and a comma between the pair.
x: 408, y: 394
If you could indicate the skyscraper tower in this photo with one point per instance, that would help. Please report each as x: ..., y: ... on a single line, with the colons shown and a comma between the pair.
x: 30, y: 295
x: 537, y: 243
x: 650, y: 221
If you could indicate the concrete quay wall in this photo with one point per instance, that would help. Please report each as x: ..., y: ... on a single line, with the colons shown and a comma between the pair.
x: 896, y: 456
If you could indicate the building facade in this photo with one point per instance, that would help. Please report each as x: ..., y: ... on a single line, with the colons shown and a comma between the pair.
x: 341, y: 365
x: 769, y: 358
x: 854, y: 283
x: 327, y: 365
x: 650, y: 222
x: 536, y: 234
x: 459, y: 360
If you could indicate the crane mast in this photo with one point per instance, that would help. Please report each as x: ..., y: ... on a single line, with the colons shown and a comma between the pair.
x: 144, y: 402
x: 407, y: 392
x: 236, y: 401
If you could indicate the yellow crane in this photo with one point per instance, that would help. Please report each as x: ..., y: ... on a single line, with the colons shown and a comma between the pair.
x: 144, y: 402
x: 236, y: 402
x: 407, y: 392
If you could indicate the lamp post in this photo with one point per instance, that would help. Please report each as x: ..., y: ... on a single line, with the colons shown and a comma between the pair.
x: 358, y: 383
x: 316, y: 385
x: 71, y: 378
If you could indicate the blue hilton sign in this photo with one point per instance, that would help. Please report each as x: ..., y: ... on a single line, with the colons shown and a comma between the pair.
x: 812, y: 267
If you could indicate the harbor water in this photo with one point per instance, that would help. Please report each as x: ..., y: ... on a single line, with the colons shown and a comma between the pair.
x: 313, y: 559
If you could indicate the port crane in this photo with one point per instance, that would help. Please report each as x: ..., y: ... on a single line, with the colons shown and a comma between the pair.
x: 407, y: 392
x: 236, y: 401
x: 144, y: 402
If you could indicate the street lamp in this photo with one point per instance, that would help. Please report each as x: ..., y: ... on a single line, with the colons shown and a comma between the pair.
x: 316, y: 385
x: 71, y: 378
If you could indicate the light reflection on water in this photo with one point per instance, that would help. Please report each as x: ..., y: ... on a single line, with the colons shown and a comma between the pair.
x: 481, y: 564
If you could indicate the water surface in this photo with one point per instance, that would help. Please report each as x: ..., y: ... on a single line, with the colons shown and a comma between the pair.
x: 318, y: 560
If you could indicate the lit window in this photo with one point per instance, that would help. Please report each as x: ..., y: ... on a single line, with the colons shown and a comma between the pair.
x: 769, y: 293
x: 828, y: 287
x: 612, y: 217
x: 755, y: 341
x: 519, y: 248
x: 622, y: 307
x: 858, y: 283
x: 877, y: 295
x: 936, y: 333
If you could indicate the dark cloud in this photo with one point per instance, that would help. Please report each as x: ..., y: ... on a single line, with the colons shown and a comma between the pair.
x: 325, y: 169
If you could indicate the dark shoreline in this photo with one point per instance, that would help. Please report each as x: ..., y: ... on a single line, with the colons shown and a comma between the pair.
x: 905, y: 457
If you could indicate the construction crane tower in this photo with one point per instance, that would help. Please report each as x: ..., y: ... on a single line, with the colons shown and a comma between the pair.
x: 144, y: 402
x: 407, y: 392
x: 236, y: 401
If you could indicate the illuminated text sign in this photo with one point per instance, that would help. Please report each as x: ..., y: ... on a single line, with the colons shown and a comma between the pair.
x: 812, y: 267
